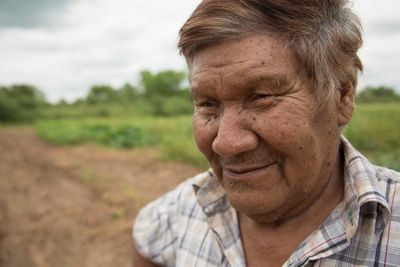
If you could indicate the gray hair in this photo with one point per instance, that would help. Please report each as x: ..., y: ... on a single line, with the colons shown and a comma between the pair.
x: 325, y: 35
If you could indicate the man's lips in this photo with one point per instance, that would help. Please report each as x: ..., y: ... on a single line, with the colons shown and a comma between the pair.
x: 237, y: 171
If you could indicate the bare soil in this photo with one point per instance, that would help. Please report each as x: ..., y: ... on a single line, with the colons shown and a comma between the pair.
x: 74, y: 206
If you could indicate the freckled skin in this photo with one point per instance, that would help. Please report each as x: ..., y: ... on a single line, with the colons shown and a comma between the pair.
x: 281, y: 129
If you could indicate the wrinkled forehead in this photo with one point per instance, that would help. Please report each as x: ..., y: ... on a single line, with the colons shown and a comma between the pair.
x: 241, y: 55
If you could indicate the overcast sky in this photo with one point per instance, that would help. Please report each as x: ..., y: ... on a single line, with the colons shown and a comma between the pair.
x: 65, y: 46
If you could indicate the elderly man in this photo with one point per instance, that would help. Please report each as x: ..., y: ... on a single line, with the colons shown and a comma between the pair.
x: 273, y: 84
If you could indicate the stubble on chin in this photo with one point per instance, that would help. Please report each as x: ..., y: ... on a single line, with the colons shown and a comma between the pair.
x: 238, y: 186
x: 254, y: 158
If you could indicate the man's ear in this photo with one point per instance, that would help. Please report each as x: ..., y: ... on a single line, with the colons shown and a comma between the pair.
x: 345, y: 103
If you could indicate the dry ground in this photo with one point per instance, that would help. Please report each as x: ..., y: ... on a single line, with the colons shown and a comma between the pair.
x: 74, y: 206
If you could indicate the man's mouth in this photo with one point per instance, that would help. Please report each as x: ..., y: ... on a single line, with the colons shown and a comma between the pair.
x: 244, y: 170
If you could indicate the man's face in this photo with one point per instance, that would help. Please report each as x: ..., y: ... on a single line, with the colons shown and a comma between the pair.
x: 270, y: 143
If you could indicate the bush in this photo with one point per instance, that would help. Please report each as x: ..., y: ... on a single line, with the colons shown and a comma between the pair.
x: 378, y: 94
x: 73, y: 132
x: 375, y: 131
x: 170, y: 106
x: 126, y: 136
x: 20, y: 103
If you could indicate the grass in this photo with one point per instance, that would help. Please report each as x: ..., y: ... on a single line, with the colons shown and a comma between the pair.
x: 89, y: 178
x: 172, y: 135
x: 374, y: 130
x: 100, y: 111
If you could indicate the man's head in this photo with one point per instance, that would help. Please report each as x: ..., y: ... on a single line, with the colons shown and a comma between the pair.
x: 273, y: 87
x: 324, y: 35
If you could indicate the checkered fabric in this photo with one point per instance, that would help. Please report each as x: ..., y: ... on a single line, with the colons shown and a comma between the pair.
x: 194, y: 225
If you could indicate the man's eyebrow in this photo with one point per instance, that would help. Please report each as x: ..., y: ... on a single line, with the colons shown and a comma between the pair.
x: 193, y: 91
x: 195, y: 86
x: 275, y: 81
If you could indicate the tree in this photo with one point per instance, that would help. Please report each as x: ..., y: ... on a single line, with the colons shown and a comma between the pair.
x: 101, y: 94
x: 164, y: 83
x: 165, y: 92
x: 62, y: 102
x: 20, y: 102
x: 128, y: 92
x: 378, y: 94
x: 27, y: 95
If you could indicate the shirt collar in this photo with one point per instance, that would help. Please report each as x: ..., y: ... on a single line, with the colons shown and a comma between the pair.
x: 221, y: 217
x: 362, y: 180
x: 210, y: 194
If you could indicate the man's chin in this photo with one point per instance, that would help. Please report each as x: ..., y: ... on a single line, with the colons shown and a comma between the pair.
x: 257, y: 205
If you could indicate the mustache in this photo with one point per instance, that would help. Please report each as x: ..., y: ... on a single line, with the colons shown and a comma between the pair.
x: 254, y: 158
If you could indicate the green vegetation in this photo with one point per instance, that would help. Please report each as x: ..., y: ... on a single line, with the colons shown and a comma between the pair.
x: 375, y: 131
x: 380, y: 94
x: 172, y: 135
x: 20, y: 103
x: 68, y: 132
x: 156, y: 112
x: 157, y: 94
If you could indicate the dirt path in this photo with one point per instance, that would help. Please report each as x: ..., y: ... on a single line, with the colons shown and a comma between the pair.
x: 74, y: 206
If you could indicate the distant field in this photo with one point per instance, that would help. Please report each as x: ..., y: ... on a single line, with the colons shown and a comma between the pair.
x: 375, y: 131
x: 172, y: 135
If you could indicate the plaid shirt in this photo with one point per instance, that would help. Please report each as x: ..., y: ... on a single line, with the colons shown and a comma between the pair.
x: 195, y: 225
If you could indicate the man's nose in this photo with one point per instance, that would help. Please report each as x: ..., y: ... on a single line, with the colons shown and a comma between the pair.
x: 233, y: 136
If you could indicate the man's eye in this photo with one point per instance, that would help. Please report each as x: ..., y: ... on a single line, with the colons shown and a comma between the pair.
x: 259, y: 96
x: 208, y: 104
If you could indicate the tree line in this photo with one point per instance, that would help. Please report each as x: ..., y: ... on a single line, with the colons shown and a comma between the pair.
x: 20, y: 103
x: 164, y: 84
x: 163, y: 93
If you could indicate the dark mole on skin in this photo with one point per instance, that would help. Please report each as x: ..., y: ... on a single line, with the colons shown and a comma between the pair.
x: 263, y: 63
x: 240, y: 111
x: 254, y: 118
x: 208, y: 121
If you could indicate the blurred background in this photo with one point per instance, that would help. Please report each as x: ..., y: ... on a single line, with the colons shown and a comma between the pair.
x: 95, y: 120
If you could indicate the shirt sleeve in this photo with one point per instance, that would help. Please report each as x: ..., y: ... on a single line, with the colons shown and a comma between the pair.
x: 155, y: 229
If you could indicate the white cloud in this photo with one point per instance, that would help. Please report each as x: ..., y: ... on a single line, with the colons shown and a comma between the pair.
x: 99, y: 41
x: 102, y: 41
x: 381, y: 50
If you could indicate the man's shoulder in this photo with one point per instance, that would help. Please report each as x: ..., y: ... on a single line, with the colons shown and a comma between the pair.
x: 368, y: 177
x: 389, y: 181
x: 387, y: 175
x: 182, y: 194
x: 182, y: 197
x: 158, y: 226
